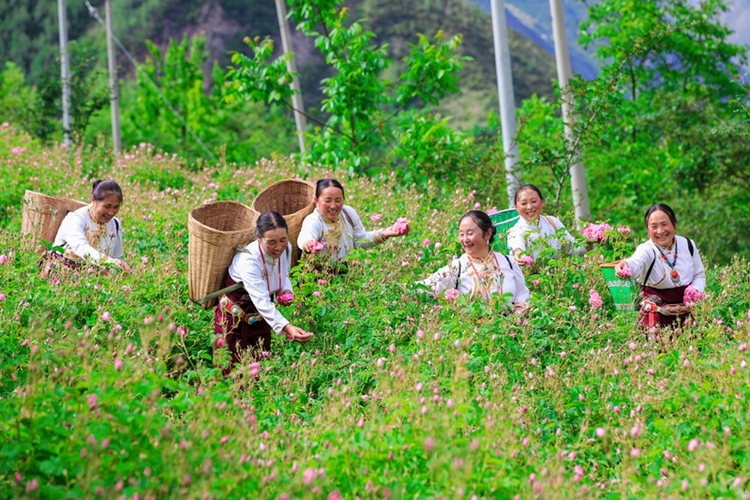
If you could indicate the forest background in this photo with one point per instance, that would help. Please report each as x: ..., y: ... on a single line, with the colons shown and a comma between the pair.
x: 661, y: 112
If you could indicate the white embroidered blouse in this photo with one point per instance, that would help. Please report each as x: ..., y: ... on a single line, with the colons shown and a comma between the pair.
x: 466, y: 276
x: 261, y: 280
x: 689, y: 267
x: 524, y: 234
x: 315, y: 226
x: 82, y: 238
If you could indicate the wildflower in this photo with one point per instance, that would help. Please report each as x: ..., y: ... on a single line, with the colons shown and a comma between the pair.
x: 635, y: 453
x: 2, y: 296
x: 426, y: 242
x: 693, y: 444
x: 317, y: 246
x: 691, y: 295
x: 626, y: 272
x: 32, y: 485
x: 148, y: 320
x: 308, y: 476
x: 118, y: 364
x: 5, y: 125
x: 429, y: 445
x: 623, y: 230
x: 144, y: 260
x: 600, y: 432
x: 376, y: 217
x: 285, y: 299
x: 595, y: 299
x: 451, y: 294
x: 3, y: 259
x: 401, y: 226
x: 106, y: 316
x: 492, y: 210
x: 535, y: 282
x: 92, y: 400
x: 316, y: 293
x: 527, y: 259
x: 420, y: 334
x: 595, y: 232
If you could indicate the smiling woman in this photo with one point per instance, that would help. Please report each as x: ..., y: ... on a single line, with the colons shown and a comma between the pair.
x: 480, y: 272
x: 669, y: 268
x: 533, y: 230
x: 245, y: 317
x: 334, y: 228
x: 93, y: 233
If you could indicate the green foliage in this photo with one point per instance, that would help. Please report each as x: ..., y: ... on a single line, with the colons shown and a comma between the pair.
x: 359, y: 102
x: 111, y: 386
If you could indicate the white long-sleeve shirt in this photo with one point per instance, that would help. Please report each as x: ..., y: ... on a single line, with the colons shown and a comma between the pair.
x: 260, y: 280
x: 460, y: 275
x: 524, y: 234
x: 78, y: 227
x: 355, y: 236
x: 689, y: 267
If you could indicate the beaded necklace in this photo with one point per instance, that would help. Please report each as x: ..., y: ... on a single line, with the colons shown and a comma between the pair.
x: 484, y: 289
x: 674, y: 275
x: 265, y: 271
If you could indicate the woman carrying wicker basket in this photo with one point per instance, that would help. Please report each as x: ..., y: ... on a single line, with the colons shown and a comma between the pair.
x: 334, y: 229
x: 247, y: 315
x: 92, y: 233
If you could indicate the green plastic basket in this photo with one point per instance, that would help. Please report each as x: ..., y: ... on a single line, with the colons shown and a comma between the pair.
x: 623, y: 291
x: 503, y: 221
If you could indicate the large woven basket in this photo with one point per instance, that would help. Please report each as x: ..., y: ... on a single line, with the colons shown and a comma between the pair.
x: 215, y: 231
x: 292, y: 198
x: 43, y: 214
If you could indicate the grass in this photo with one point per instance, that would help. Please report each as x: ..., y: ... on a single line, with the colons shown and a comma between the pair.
x: 397, y: 395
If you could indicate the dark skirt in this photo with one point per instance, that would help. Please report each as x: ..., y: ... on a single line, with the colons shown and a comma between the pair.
x: 656, y: 319
x: 240, y: 336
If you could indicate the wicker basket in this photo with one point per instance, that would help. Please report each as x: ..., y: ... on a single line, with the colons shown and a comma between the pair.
x: 215, y: 231
x: 292, y: 198
x: 43, y: 214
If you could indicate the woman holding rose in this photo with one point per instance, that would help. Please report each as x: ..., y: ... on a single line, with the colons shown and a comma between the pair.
x: 246, y: 316
x: 669, y: 267
x: 334, y: 229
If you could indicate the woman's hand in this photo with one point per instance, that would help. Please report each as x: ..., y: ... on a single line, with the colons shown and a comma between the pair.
x: 620, y: 269
x: 307, y: 247
x: 297, y: 334
x: 517, y: 255
x: 389, y: 232
x: 520, y: 307
x: 122, y: 265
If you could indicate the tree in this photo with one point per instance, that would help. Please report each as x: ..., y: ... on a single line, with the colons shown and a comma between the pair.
x: 360, y: 104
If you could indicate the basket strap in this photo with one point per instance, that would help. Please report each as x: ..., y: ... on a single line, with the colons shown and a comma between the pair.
x: 214, y: 295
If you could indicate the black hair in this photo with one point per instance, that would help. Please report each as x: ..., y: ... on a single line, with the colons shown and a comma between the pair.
x: 102, y: 189
x: 484, y: 222
x: 664, y: 208
x: 524, y: 187
x: 268, y: 221
x: 326, y: 183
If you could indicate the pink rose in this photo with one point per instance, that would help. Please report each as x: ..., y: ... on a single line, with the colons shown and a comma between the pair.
x: 451, y: 294
x: 3, y: 259
x: 285, y: 299
x: 626, y: 272
x: 317, y: 246
x: 595, y: 232
x: 595, y: 299
x: 691, y: 295
x: 624, y: 230
x: 527, y: 259
x: 401, y: 226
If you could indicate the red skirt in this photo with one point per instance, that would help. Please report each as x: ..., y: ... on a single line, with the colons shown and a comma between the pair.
x: 238, y: 334
x: 650, y: 319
